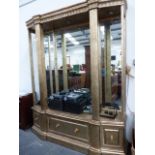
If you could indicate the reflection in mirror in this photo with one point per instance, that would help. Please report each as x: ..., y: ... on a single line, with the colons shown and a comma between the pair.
x: 67, y: 56
x: 78, y: 63
x: 116, y: 67
x: 78, y: 58
x: 111, y: 65
x: 53, y: 63
x: 49, y: 63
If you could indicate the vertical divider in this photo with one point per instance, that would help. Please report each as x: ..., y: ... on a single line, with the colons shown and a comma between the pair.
x: 123, y: 51
x: 56, y: 63
x: 94, y: 50
x: 41, y: 66
x: 50, y: 64
x: 108, y: 95
x: 100, y: 69
x: 65, y: 76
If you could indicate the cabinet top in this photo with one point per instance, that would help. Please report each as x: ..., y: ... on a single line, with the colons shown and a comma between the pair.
x: 67, y: 13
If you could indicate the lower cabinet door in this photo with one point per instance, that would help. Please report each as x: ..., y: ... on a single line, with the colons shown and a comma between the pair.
x: 112, y: 136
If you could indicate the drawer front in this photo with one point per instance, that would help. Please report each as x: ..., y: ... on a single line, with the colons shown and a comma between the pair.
x: 36, y: 119
x: 69, y: 128
x: 112, y: 136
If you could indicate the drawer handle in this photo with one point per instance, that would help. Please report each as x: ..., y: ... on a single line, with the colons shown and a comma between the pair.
x: 57, y: 125
x: 76, y: 130
x: 111, y: 137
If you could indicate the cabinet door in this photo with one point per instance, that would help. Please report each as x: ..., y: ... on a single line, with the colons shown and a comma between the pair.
x: 112, y: 136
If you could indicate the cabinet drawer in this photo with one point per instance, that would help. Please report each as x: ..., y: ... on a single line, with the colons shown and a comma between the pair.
x: 36, y: 119
x: 68, y: 128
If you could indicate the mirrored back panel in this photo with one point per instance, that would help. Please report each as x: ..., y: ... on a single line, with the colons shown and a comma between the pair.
x: 67, y: 61
x: 110, y: 38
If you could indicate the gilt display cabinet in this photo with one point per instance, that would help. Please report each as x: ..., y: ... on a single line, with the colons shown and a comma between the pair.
x: 80, y: 47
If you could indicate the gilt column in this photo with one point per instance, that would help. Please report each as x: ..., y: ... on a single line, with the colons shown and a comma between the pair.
x: 123, y: 64
x: 94, y: 57
x: 41, y: 66
x: 95, y: 82
x: 65, y: 75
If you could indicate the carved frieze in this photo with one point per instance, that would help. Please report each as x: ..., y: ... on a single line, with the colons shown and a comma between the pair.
x: 63, y: 15
x: 72, y: 10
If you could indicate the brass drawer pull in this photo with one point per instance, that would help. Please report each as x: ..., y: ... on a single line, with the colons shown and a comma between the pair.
x: 57, y: 125
x: 76, y: 130
x: 111, y: 137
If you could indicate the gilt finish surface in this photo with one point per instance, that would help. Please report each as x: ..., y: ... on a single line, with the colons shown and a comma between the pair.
x: 90, y: 134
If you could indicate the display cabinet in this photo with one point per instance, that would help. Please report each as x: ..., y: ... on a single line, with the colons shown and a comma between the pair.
x: 78, y: 61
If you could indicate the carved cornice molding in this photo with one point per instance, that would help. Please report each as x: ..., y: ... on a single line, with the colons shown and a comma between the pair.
x: 110, y: 3
x: 92, y: 4
x: 66, y: 12
x: 72, y: 10
x: 37, y: 19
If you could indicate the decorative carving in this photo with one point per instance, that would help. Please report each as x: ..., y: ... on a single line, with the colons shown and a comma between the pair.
x: 93, y: 6
x: 62, y: 15
x: 72, y: 10
x: 76, y: 130
x: 57, y: 125
x: 103, y: 4
x: 36, y: 19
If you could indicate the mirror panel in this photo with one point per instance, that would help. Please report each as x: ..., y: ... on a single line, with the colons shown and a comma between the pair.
x: 116, y: 58
x: 110, y: 38
x: 68, y: 60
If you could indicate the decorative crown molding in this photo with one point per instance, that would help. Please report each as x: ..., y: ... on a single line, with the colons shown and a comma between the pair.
x: 37, y: 19
x: 72, y: 10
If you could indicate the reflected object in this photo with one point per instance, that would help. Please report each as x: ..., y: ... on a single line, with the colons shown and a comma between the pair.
x: 113, y: 57
x: 74, y: 101
x: 109, y: 112
x: 112, y: 105
x: 88, y: 109
x: 76, y: 68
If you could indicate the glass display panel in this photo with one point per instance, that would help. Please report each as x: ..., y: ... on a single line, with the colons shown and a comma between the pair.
x: 35, y: 67
x: 70, y: 52
x: 78, y: 58
x: 53, y: 63
x: 48, y: 63
x: 110, y: 36
x: 116, y: 58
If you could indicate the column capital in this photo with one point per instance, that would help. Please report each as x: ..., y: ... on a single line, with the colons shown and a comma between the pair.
x: 92, y: 4
x: 37, y: 19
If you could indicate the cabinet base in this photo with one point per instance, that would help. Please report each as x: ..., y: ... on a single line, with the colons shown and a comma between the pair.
x: 79, y: 133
